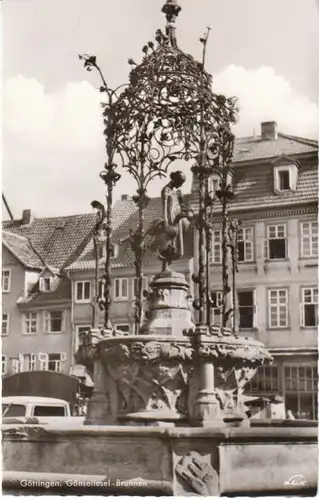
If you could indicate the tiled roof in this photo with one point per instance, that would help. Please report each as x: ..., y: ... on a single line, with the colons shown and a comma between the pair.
x: 126, y: 256
x: 36, y: 297
x: 22, y: 250
x: 153, y: 212
x: 60, y: 240
x: 256, y: 188
x: 254, y: 148
x: 122, y: 209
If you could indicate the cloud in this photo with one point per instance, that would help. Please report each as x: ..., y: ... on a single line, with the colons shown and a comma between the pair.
x: 53, y: 142
x: 265, y: 95
x: 69, y: 119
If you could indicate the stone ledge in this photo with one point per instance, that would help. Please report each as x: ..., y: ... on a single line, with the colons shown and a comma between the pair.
x: 290, y: 434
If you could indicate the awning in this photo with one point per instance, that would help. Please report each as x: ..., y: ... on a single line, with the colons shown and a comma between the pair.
x: 80, y: 372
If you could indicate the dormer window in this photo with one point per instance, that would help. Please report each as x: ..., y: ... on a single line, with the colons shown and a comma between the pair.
x: 285, y: 178
x: 216, y: 181
x: 114, y: 250
x: 45, y: 284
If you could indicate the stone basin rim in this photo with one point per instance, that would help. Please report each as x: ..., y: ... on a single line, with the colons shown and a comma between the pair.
x: 214, y: 339
x: 224, y: 433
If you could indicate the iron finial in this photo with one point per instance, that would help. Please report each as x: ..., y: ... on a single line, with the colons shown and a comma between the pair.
x: 171, y: 10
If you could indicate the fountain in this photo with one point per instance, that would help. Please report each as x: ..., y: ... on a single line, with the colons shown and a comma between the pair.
x: 167, y: 414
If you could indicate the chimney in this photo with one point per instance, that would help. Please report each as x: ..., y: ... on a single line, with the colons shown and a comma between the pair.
x: 269, y: 131
x: 26, y: 217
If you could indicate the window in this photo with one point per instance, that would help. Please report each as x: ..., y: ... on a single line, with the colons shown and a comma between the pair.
x: 214, y: 183
x: 247, y: 309
x: 55, y: 360
x: 83, y: 291
x: 12, y: 410
x: 29, y: 362
x: 134, y: 286
x: 5, y: 324
x: 285, y: 178
x: 216, y: 253
x: 124, y: 328
x: 49, y: 411
x: 6, y: 280
x: 80, y: 329
x: 276, y: 245
x: 265, y: 380
x: 17, y: 364
x: 301, y: 385
x: 245, y: 245
x: 30, y: 322
x: 43, y: 360
x: 114, y: 250
x: 309, y: 307
x: 3, y: 364
x: 309, y: 239
x: 53, y: 321
x: 217, y: 300
x: 278, y: 308
x: 45, y: 284
x: 121, y: 289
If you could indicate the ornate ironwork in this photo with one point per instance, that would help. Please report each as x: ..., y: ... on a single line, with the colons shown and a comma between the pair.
x: 166, y: 113
x: 233, y: 229
x: 97, y: 243
x: 110, y: 177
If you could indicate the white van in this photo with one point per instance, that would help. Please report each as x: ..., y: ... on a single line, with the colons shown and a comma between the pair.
x: 32, y: 409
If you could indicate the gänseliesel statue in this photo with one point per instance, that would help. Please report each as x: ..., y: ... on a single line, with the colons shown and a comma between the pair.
x: 169, y: 231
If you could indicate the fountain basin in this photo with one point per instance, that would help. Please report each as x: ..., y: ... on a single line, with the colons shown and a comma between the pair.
x: 231, y: 461
x: 161, y: 376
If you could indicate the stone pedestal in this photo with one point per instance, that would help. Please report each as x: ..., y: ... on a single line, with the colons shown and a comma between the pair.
x: 169, y: 312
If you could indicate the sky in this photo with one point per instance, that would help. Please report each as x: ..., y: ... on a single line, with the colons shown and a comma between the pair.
x: 262, y: 51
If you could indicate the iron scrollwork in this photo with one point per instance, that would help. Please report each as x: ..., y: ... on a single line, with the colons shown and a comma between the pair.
x: 167, y: 112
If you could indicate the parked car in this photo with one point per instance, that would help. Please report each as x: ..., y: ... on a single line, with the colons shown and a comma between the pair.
x: 38, y: 410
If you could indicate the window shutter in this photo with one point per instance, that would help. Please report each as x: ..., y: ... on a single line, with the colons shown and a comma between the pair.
x: 287, y: 248
x: 255, y: 320
x: 302, y: 314
x: 63, y: 356
x: 41, y: 284
x: 219, y: 299
x: 211, y: 252
x: 249, y: 254
x: 266, y: 249
x: 43, y: 359
x: 116, y: 286
x: 63, y: 321
x: 145, y: 283
x: 21, y: 362
x: 4, y: 361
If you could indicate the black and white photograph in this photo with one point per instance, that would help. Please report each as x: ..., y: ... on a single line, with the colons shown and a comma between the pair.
x: 159, y: 248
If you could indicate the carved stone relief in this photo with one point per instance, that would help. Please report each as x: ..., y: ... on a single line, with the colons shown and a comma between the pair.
x: 198, y: 474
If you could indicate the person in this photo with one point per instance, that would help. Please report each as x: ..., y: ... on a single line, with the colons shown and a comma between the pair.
x: 290, y: 415
x: 169, y: 231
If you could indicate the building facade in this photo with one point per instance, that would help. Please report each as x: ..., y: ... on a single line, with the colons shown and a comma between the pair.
x: 275, y: 197
x: 38, y: 330
x: 277, y: 289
